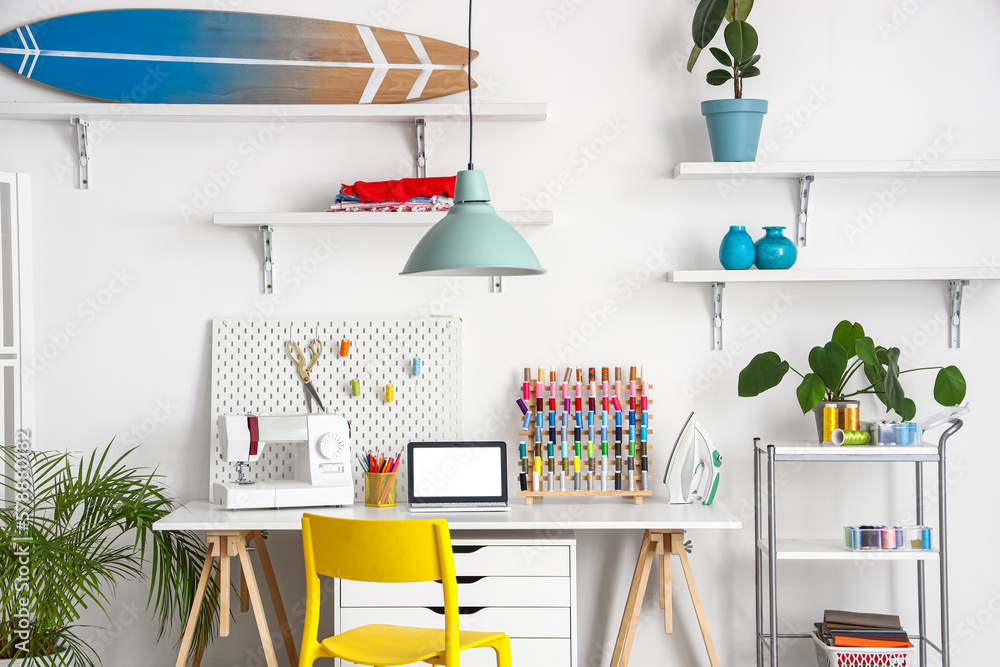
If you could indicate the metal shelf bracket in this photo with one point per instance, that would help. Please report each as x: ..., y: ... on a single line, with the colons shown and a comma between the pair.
x: 421, y: 149
x: 496, y: 284
x: 267, y: 231
x: 83, y: 146
x: 805, y: 185
x: 717, y: 320
x: 956, y: 288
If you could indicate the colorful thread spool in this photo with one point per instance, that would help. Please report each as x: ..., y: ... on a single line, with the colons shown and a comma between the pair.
x: 345, y: 347
x: 416, y: 372
x: 842, y: 436
x: 355, y: 388
x: 831, y: 420
x: 852, y: 417
x: 389, y: 393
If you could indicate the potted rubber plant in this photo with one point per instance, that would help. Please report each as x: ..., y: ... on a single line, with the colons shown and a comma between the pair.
x: 733, y: 124
x: 77, y: 528
x: 834, y: 364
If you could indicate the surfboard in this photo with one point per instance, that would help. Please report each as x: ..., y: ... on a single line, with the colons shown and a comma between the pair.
x: 176, y: 56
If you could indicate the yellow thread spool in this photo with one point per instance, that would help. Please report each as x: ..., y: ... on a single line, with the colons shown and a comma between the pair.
x: 388, y: 393
x: 852, y: 417
x: 355, y: 388
x: 831, y: 421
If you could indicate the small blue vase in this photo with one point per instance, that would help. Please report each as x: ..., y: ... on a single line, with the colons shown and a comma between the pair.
x: 774, y: 251
x: 737, y: 250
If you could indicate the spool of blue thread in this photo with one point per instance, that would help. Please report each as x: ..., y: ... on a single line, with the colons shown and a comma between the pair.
x: 925, y: 538
x: 527, y: 421
x: 416, y: 366
x: 899, y: 537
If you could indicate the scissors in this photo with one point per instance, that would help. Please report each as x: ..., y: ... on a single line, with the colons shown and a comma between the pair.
x: 295, y: 352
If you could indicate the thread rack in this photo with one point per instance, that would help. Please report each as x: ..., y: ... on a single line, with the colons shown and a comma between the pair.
x: 573, y: 465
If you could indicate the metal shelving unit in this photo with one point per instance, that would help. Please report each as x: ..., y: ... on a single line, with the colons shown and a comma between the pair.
x: 769, y: 549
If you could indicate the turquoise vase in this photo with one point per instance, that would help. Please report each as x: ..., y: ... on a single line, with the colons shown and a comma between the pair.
x: 734, y: 128
x: 737, y: 250
x: 774, y: 251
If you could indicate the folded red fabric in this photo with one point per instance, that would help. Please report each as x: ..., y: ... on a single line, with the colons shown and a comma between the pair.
x: 401, y: 190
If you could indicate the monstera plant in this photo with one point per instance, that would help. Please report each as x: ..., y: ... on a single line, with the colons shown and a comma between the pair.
x: 834, y: 364
x: 77, y: 528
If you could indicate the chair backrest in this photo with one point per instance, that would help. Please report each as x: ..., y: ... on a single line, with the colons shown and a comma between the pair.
x: 379, y: 551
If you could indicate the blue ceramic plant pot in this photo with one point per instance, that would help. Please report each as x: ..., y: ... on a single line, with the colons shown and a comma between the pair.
x: 774, y: 251
x: 737, y: 249
x: 734, y: 128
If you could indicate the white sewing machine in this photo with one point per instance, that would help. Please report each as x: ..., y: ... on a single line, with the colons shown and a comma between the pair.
x: 322, y: 461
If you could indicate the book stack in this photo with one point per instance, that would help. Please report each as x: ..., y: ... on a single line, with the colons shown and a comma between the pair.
x: 856, y: 629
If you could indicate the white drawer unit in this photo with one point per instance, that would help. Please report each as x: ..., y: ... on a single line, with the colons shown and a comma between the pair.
x: 517, y: 584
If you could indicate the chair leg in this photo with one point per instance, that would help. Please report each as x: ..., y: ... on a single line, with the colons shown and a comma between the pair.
x: 502, y: 647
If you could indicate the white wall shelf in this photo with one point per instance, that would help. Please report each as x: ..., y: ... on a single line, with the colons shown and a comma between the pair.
x: 807, y: 172
x: 262, y: 113
x: 957, y: 279
x: 363, y: 219
x: 806, y: 549
x: 82, y: 114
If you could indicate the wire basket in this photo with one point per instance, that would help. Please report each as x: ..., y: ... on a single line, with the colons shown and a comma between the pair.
x: 839, y: 656
x: 380, y: 489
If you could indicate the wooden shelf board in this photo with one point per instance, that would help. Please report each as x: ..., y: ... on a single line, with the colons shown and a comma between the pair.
x: 831, y: 275
x: 819, y: 549
x: 344, y: 113
x: 838, y: 169
x: 364, y: 219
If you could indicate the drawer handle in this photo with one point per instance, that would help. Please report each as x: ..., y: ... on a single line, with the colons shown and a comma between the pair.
x: 464, y: 611
x: 464, y: 580
x: 465, y: 548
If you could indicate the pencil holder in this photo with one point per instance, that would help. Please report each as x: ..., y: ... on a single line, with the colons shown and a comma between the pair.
x: 380, y: 489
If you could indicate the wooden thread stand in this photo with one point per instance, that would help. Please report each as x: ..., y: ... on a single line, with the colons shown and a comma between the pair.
x: 636, y: 496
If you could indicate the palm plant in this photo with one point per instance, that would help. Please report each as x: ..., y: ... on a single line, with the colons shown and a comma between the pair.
x: 86, y: 526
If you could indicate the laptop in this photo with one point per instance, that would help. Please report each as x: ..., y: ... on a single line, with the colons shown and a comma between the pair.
x: 457, y: 476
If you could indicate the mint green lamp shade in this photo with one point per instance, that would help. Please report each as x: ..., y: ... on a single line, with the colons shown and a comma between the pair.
x: 471, y: 239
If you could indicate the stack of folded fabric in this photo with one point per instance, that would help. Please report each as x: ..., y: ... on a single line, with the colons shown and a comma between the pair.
x: 855, y: 629
x: 408, y: 194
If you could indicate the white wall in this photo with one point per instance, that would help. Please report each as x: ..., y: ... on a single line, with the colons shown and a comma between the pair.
x: 859, y: 91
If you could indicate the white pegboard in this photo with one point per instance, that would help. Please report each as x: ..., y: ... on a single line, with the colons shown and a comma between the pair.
x: 252, y: 372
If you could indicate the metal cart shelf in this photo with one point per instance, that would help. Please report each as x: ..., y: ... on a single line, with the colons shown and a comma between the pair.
x: 771, y: 549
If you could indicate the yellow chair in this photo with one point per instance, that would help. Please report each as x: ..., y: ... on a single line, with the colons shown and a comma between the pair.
x: 387, y: 551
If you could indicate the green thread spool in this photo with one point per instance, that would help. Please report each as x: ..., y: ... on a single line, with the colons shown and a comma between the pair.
x: 355, y: 388
x: 842, y: 437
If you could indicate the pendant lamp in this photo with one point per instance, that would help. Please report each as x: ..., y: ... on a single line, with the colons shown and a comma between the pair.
x: 471, y: 239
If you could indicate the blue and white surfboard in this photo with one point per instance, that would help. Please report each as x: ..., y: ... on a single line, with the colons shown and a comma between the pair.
x: 204, y: 57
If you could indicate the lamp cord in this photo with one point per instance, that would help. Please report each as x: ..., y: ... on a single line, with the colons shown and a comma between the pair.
x: 469, y: 72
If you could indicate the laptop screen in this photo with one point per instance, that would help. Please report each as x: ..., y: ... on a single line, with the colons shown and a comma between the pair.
x: 457, y: 472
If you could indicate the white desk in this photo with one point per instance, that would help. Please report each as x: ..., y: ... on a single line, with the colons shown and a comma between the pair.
x: 654, y: 514
x: 663, y: 526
